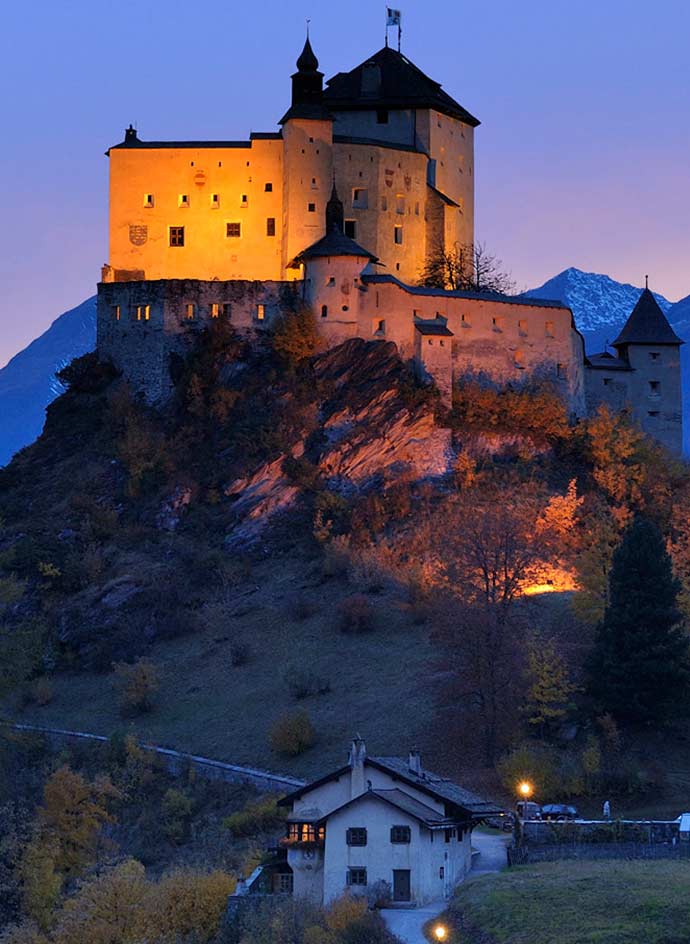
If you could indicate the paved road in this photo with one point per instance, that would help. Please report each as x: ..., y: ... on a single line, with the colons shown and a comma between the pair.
x: 492, y: 852
x: 407, y: 923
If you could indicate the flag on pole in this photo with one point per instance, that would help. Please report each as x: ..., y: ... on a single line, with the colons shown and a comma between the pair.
x: 393, y: 17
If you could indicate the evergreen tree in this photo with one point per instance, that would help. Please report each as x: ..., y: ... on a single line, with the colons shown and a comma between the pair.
x: 640, y: 665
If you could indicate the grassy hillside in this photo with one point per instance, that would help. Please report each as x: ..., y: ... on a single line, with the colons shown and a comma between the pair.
x: 577, y: 903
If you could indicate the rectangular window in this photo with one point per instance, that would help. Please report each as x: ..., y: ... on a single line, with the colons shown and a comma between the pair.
x: 215, y: 310
x: 148, y: 199
x: 227, y: 310
x: 233, y: 230
x: 143, y: 312
x: 324, y: 311
x: 360, y: 198
x: 522, y: 327
x: 183, y: 200
x: 549, y: 329
x: 654, y: 388
x: 384, y: 203
x: 398, y: 235
x: 356, y: 876
x: 356, y: 836
x: 190, y: 311
x: 351, y: 228
x: 380, y: 327
x: 244, y: 202
x: 311, y: 207
x: 177, y: 235
x: 268, y: 188
x: 498, y: 323
x: 285, y: 883
x: 653, y: 413
x: 381, y: 116
x: 260, y: 312
x: 400, y: 204
x: 116, y: 312
x: 215, y: 201
x: 400, y: 834
x: 271, y: 226
x: 314, y: 183
x: 448, y: 834
x: 331, y: 281
x: 655, y: 355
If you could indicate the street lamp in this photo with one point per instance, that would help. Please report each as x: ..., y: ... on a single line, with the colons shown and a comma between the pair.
x: 525, y: 791
x: 441, y: 932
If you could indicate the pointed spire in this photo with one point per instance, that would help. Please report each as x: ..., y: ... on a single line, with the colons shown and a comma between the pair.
x: 647, y: 324
x: 307, y: 61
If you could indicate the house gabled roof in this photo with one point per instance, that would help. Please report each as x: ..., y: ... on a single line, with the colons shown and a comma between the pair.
x: 647, y: 324
x: 395, y: 83
x: 401, y: 801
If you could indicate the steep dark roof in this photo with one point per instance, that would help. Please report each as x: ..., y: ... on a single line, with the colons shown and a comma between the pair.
x: 439, y: 787
x: 401, y: 85
x: 307, y: 61
x: 606, y: 361
x: 647, y: 324
x: 335, y: 243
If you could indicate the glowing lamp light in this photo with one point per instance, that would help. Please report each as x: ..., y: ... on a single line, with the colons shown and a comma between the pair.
x: 441, y: 932
x: 525, y: 789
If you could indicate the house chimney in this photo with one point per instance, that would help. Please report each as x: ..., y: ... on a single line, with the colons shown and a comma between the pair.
x: 358, y: 753
x: 415, y: 762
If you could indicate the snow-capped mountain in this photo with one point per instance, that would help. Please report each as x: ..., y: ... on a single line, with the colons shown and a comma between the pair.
x: 28, y: 382
x: 600, y: 305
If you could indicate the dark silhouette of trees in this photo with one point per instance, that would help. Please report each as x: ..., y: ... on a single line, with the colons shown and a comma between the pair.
x: 469, y: 268
x: 639, y: 670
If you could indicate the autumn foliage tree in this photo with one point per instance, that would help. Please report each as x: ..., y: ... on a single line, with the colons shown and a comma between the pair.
x: 295, y: 336
x: 550, y: 692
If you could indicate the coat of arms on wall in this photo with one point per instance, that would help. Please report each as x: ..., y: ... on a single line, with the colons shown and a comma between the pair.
x: 138, y: 235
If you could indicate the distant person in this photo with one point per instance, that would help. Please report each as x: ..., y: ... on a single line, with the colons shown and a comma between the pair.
x: 607, y: 809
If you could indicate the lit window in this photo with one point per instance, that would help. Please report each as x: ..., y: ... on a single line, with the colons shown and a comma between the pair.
x: 270, y: 226
x: 215, y: 201
x: 360, y: 198
x: 268, y: 188
x: 356, y: 836
x: 177, y: 235
x: 549, y: 329
x: 116, y: 312
x: 400, y: 834
x: 148, y: 199
x: 143, y: 312
x: 183, y: 200
x: 398, y: 235
x: 356, y: 876
x: 324, y: 311
x: 311, y: 207
x: 215, y: 310
x: 233, y: 230
x: 260, y: 312
x: 351, y: 228
x: 190, y: 311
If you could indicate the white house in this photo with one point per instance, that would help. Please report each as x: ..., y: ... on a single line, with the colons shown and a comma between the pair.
x: 381, y: 819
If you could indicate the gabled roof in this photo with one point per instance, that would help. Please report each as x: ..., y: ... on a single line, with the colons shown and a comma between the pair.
x: 647, y: 324
x: 334, y: 243
x: 401, y: 801
x: 392, y: 81
x: 606, y: 361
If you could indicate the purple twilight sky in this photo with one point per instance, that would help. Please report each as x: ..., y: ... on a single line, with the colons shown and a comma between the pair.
x: 583, y: 155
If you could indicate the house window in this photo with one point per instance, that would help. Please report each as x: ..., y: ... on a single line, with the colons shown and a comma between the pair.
x: 381, y: 116
x: 360, y: 198
x: 115, y: 309
x: 356, y: 876
x: 441, y: 872
x: 215, y: 201
x: 654, y: 388
x: 268, y: 188
x: 177, y: 235
x: 233, y: 230
x: 271, y: 226
x: 399, y: 203
x: 400, y: 834
x: 143, y: 312
x: 324, y: 311
x: 148, y: 199
x: 351, y: 228
x: 260, y: 312
x: 215, y: 310
x: 183, y: 200
x: 190, y: 311
x: 311, y: 207
x: 356, y: 836
x: 285, y: 883
x: 398, y: 235
x: 549, y: 329
x: 227, y: 310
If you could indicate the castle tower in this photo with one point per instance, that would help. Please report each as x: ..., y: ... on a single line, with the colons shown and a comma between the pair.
x: 651, y: 349
x: 307, y: 159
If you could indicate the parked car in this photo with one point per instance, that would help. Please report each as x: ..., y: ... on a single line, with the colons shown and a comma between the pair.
x: 558, y: 811
x: 527, y: 809
x: 504, y: 821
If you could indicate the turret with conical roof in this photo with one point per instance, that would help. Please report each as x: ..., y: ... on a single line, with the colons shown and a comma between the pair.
x: 646, y: 325
x: 307, y: 88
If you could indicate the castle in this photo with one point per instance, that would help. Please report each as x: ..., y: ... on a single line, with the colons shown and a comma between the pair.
x: 368, y: 179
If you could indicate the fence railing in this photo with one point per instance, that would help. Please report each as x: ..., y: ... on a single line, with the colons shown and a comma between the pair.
x: 177, y: 761
x: 552, y: 852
